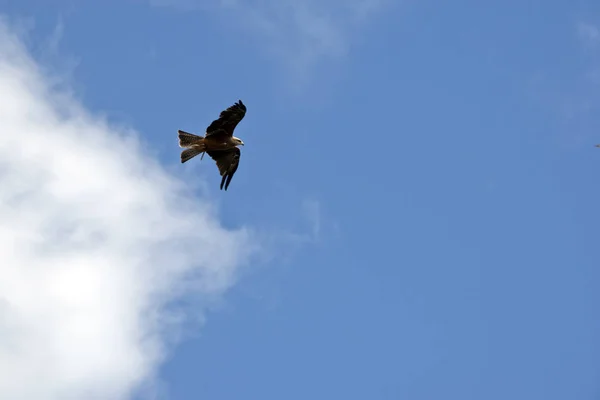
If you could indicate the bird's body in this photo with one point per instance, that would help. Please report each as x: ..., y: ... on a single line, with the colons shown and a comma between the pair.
x: 219, y: 142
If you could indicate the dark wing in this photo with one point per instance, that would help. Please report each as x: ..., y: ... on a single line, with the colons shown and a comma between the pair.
x: 228, y: 120
x: 227, y: 162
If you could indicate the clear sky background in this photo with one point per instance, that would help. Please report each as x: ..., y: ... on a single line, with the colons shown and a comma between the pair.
x: 415, y: 215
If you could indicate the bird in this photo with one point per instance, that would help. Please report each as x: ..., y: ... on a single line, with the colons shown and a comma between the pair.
x: 218, y: 142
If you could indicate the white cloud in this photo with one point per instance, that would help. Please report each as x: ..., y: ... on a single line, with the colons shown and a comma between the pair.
x: 300, y: 34
x: 96, y: 240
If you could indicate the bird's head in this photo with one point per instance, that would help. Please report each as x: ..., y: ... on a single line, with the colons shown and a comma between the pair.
x: 238, y: 141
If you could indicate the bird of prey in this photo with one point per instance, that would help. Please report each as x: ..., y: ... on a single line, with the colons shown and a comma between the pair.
x: 218, y: 142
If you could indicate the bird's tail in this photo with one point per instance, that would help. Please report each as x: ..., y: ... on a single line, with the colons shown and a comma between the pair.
x: 187, y: 139
x: 190, y: 153
x: 193, y: 145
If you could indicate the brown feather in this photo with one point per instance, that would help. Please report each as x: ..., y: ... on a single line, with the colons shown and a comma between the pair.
x: 228, y: 120
x: 227, y: 161
x: 191, y: 152
x: 187, y: 139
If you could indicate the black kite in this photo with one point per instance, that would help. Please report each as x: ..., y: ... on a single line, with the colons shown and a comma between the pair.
x: 219, y: 142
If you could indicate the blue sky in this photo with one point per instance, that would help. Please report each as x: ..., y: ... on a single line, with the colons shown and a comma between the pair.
x: 420, y: 177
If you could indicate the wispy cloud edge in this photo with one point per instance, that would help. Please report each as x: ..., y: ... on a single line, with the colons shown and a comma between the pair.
x: 299, y: 35
x: 97, y: 240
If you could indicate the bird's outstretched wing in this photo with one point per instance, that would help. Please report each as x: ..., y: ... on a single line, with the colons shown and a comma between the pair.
x: 227, y: 162
x: 227, y: 121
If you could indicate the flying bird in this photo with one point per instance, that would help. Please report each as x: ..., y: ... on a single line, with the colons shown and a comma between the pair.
x: 218, y: 142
